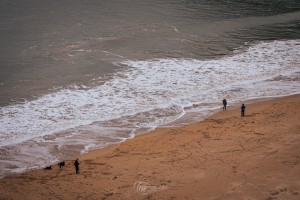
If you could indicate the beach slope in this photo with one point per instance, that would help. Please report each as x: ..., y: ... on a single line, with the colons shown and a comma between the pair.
x: 223, y: 157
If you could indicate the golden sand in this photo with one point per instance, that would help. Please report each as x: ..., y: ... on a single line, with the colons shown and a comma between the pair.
x: 223, y: 157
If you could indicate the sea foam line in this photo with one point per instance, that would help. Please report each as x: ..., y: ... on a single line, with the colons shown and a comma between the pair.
x: 156, y: 84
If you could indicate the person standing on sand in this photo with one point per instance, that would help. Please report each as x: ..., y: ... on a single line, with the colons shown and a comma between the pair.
x: 224, y: 104
x: 76, y: 164
x: 243, y: 110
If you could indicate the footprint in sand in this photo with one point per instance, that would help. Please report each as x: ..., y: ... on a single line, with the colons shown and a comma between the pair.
x: 282, y: 193
x: 199, y: 175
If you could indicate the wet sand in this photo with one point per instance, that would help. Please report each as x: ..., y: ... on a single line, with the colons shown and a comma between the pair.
x: 223, y: 157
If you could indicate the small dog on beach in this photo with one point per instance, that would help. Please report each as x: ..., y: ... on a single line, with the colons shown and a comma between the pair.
x: 49, y: 167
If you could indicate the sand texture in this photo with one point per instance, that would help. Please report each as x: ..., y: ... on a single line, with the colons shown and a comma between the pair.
x: 223, y: 157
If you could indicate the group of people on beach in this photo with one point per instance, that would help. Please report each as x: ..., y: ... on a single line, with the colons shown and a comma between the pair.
x: 62, y: 165
x: 76, y: 162
x: 243, y: 107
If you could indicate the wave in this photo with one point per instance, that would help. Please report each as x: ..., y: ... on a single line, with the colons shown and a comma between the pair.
x: 158, y: 84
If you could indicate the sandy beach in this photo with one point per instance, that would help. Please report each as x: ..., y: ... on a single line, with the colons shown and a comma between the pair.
x: 223, y: 157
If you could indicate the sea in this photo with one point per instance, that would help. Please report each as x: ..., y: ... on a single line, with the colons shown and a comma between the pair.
x: 81, y: 75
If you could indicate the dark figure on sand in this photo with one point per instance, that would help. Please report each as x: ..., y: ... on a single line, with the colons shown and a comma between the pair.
x: 49, y: 167
x: 76, y: 164
x: 61, y: 165
x: 243, y: 110
x: 224, y: 104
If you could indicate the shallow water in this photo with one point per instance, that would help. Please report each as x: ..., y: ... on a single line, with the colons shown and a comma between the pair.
x: 81, y: 75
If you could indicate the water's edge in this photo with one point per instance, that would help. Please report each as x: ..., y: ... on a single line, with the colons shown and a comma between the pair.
x: 233, y: 106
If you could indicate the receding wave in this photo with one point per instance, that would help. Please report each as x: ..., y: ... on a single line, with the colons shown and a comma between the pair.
x: 148, y: 94
x: 156, y: 84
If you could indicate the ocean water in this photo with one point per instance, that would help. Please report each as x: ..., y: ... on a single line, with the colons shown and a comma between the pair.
x: 80, y: 75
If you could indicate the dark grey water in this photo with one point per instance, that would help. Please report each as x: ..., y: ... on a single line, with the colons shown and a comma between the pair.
x: 42, y: 41
x: 77, y: 75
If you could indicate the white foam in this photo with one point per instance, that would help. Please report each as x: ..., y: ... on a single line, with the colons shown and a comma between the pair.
x: 158, y: 88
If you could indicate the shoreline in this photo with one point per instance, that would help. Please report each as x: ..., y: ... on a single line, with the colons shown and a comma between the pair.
x: 171, y: 162
x: 186, y: 119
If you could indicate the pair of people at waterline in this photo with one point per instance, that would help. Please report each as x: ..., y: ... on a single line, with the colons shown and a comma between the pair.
x: 243, y: 107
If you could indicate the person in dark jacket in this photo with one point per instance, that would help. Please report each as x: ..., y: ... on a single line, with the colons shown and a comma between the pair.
x: 224, y: 104
x: 76, y: 164
x: 243, y: 110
